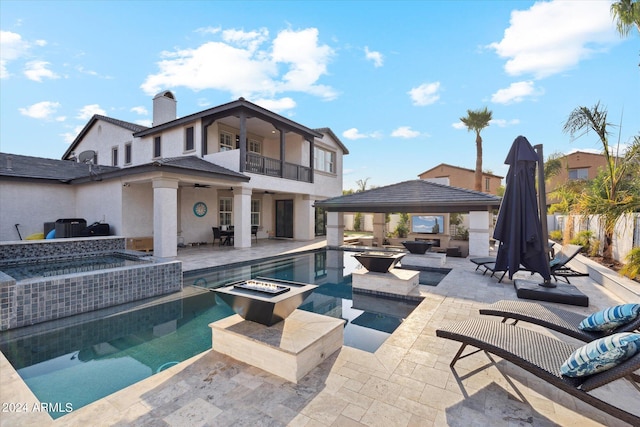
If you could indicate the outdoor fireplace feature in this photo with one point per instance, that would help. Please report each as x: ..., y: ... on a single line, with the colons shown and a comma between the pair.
x: 264, y: 301
x: 379, y: 262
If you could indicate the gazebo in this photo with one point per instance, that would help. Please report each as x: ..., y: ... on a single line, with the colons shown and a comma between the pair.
x: 415, y: 196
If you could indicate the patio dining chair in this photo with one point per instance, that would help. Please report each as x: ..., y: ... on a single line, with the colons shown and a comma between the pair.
x: 254, y: 232
x: 216, y: 235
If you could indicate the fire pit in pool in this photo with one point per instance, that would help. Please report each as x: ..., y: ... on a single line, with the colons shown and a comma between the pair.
x: 265, y: 301
x: 379, y: 262
x: 417, y: 246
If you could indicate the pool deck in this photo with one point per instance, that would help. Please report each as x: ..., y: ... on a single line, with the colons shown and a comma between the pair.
x: 406, y: 382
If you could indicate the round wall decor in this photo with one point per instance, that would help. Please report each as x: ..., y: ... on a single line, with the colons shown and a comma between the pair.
x: 200, y: 209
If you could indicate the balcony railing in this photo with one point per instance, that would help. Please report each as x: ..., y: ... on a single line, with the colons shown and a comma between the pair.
x: 273, y: 167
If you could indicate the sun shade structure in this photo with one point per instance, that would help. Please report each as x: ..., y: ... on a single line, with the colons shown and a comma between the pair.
x: 416, y: 196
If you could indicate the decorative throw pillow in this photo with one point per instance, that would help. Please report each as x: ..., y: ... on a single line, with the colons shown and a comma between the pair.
x: 610, y: 318
x: 601, y: 354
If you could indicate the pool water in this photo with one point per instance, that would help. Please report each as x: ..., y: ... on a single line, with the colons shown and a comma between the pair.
x: 86, y: 361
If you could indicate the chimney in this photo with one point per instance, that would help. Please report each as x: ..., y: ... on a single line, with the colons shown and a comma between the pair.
x: 164, y: 108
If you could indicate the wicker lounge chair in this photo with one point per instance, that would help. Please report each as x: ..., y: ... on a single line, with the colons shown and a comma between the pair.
x: 540, y: 355
x: 557, y: 266
x: 557, y: 319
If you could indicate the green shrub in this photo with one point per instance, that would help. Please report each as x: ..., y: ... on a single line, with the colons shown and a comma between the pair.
x: 587, y: 241
x: 357, y: 221
x: 556, y: 235
x: 632, y: 268
x: 402, y: 229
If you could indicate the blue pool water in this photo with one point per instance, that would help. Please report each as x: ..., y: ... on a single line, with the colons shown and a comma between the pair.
x: 80, y: 361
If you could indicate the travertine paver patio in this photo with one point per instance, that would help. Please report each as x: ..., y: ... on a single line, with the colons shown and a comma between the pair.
x: 407, y: 382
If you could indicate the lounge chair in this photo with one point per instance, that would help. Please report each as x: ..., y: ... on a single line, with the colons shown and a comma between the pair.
x: 481, y: 261
x: 557, y: 266
x: 540, y: 355
x: 557, y: 319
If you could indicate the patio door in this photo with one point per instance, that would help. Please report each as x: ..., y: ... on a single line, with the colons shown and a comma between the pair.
x: 284, y: 218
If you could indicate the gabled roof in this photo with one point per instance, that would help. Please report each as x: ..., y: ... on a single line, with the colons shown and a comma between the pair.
x: 460, y: 168
x: 335, y: 138
x: 14, y: 166
x: 416, y: 196
x: 194, y: 163
x: 125, y: 125
x: 231, y: 108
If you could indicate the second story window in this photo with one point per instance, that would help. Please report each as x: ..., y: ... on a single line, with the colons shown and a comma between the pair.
x: 114, y: 156
x: 226, y: 143
x: 127, y: 154
x: 325, y: 160
x: 189, y: 143
x: 157, y: 147
x: 487, y: 184
x: 254, y: 147
x: 582, y: 173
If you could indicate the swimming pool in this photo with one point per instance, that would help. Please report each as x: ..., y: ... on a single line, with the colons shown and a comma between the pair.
x: 82, y: 359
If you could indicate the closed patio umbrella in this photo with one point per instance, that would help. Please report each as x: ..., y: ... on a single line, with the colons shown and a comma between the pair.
x: 518, y: 227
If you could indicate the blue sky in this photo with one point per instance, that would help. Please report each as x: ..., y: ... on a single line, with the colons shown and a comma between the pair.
x: 391, y: 79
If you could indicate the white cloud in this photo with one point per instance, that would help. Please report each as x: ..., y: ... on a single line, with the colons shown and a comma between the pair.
x: 146, y: 122
x: 425, y: 94
x: 12, y: 47
x: 208, y: 30
x: 37, y: 70
x: 42, y: 110
x: 516, y: 92
x: 374, y: 56
x: 69, y: 137
x: 502, y: 123
x: 354, y: 134
x: 251, y: 67
x: 554, y: 36
x: 276, y: 105
x: 459, y: 125
x: 140, y: 110
x: 88, y: 111
x: 405, y: 132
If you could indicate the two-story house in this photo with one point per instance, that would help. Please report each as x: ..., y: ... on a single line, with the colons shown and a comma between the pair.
x: 457, y: 176
x: 236, y: 164
x: 578, y: 165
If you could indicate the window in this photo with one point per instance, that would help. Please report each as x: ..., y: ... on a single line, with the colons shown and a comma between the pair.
x: 255, y: 212
x: 157, y: 147
x: 114, y: 156
x: 127, y: 154
x: 254, y: 147
x: 188, y: 139
x: 487, y: 184
x: 226, y: 210
x: 225, y: 141
x: 324, y: 160
x: 582, y: 173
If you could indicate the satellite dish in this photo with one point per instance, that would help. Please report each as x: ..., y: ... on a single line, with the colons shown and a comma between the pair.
x: 87, y: 156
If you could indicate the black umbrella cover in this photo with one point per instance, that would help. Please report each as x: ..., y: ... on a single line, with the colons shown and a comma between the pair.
x: 518, y: 228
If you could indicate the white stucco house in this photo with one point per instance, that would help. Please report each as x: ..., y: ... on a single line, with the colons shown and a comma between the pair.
x: 235, y: 164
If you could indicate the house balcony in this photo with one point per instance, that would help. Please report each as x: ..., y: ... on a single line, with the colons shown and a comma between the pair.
x: 273, y: 167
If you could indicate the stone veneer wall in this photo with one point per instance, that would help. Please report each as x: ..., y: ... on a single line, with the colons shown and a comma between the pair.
x: 38, y: 300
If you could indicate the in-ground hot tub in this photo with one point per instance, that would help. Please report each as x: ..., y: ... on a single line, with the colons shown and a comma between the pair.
x: 379, y: 262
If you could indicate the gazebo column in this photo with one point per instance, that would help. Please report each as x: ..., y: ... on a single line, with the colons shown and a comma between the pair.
x: 335, y: 229
x: 479, y: 233
x: 165, y: 217
x: 378, y: 228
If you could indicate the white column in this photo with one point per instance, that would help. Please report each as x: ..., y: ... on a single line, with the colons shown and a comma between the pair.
x: 479, y: 233
x: 165, y: 217
x: 378, y: 228
x: 335, y: 229
x: 242, y: 217
x: 304, y: 217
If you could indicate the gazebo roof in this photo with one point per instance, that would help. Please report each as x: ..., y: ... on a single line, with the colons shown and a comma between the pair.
x: 416, y: 196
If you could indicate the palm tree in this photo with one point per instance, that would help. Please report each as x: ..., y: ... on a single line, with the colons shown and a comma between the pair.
x: 616, y: 190
x: 476, y: 120
x: 627, y: 14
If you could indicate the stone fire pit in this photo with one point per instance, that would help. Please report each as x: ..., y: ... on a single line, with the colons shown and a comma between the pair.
x: 417, y: 246
x: 379, y: 262
x: 265, y: 301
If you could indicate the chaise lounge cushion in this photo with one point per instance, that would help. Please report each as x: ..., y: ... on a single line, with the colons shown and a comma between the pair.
x: 610, y: 318
x: 600, y: 355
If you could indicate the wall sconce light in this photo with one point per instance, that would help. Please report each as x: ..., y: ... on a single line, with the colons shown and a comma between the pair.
x: 126, y: 184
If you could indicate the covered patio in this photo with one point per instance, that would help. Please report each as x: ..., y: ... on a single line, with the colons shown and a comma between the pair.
x: 414, y: 197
